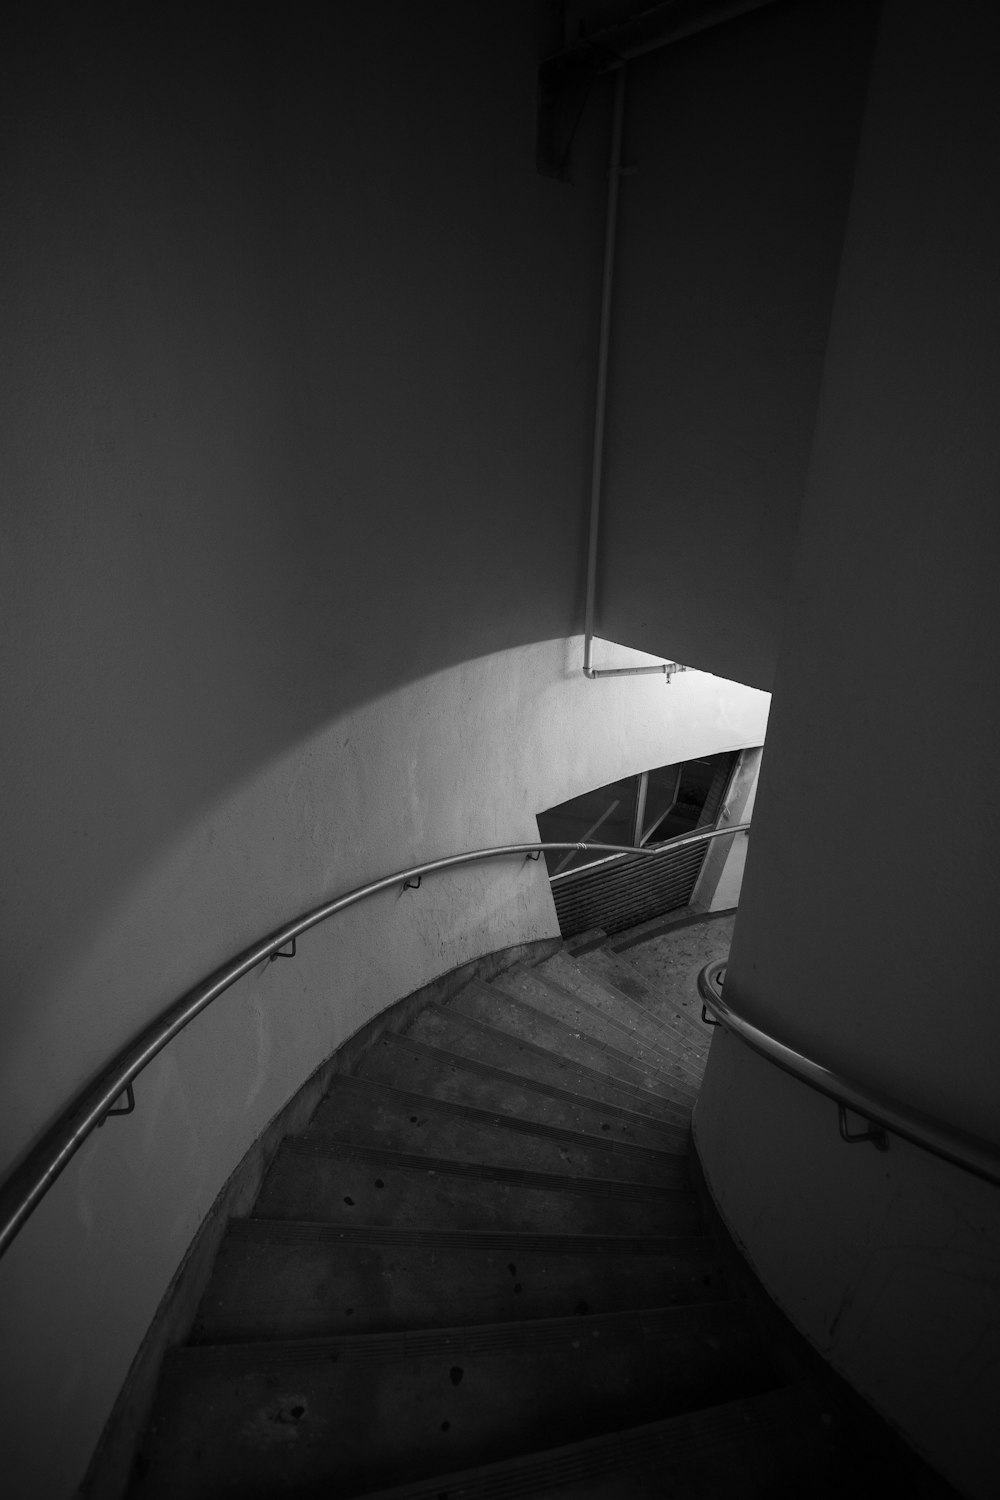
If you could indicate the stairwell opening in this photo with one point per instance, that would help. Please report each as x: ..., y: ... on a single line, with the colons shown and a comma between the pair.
x: 648, y: 810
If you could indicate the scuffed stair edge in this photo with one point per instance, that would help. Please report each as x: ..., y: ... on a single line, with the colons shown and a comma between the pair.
x: 686, y: 1323
x: 322, y: 1145
x: 673, y: 1147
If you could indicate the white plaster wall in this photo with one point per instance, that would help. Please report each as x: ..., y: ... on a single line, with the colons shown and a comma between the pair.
x: 867, y: 927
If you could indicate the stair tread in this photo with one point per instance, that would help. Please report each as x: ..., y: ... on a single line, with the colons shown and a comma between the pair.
x: 606, y: 1005
x: 289, y: 1280
x: 507, y: 1010
x: 536, y: 1039
x: 599, y: 1000
x: 502, y: 1241
x: 455, y: 1028
x: 681, y: 1324
x: 675, y: 1027
x: 564, y: 1155
x: 345, y: 1183
x: 460, y: 1080
x: 481, y: 1270
x: 366, y: 1110
x: 359, y: 1411
x: 669, y: 962
x: 647, y: 1064
x: 711, y: 1454
x: 322, y: 1143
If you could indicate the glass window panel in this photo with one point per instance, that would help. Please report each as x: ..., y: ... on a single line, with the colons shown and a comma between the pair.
x: 605, y: 815
x: 660, y: 795
x: 680, y: 798
x: 695, y: 783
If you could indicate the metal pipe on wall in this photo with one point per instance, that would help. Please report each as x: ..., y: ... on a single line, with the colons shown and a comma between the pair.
x: 601, y: 402
x: 603, y: 348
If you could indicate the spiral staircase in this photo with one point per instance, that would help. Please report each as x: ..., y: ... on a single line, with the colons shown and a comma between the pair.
x: 488, y: 1268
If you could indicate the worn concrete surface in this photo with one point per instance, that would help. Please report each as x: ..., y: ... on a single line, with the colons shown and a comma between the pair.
x: 672, y: 959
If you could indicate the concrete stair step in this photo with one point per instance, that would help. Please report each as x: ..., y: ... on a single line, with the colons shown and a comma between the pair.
x: 485, y: 1251
x: 546, y: 994
x: 681, y: 1032
x: 582, y: 942
x: 463, y: 1036
x: 442, y: 1075
x: 281, y: 1279
x: 578, y: 975
x: 775, y: 1444
x: 286, y: 1418
x: 601, y: 978
x: 366, y: 1113
x: 542, y: 1044
x: 679, y: 1017
x: 507, y: 1005
x: 351, y: 1184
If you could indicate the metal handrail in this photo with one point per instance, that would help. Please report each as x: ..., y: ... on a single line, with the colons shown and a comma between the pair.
x: 27, y: 1185
x: 959, y: 1147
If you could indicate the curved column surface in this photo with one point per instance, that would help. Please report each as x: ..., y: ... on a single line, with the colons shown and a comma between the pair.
x: 871, y: 943
x: 886, y: 1261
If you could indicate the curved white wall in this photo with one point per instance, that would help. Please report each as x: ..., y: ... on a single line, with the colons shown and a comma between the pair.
x: 460, y: 759
x: 868, y: 916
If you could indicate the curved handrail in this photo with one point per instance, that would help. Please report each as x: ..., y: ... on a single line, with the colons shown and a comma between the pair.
x: 959, y: 1147
x: 27, y: 1185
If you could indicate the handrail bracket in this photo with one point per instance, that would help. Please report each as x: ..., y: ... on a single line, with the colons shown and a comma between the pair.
x: 874, y: 1133
x: 127, y: 1108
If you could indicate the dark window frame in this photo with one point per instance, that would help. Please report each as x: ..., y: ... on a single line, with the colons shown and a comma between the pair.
x: 573, y: 862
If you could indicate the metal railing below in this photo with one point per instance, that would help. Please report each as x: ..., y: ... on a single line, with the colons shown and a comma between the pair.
x: 27, y: 1184
x: 883, y: 1113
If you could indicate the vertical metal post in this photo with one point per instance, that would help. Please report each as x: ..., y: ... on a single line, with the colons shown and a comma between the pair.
x: 640, y: 809
x: 604, y: 344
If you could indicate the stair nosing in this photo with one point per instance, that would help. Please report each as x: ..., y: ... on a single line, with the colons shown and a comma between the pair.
x: 628, y: 1449
x: 308, y: 1231
x: 691, y: 1042
x: 630, y: 1086
x: 546, y: 1052
x: 688, y: 1084
x: 319, y: 1145
x: 472, y: 1065
x: 611, y: 1021
x: 518, y: 1125
x: 596, y: 977
x: 480, y: 1338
